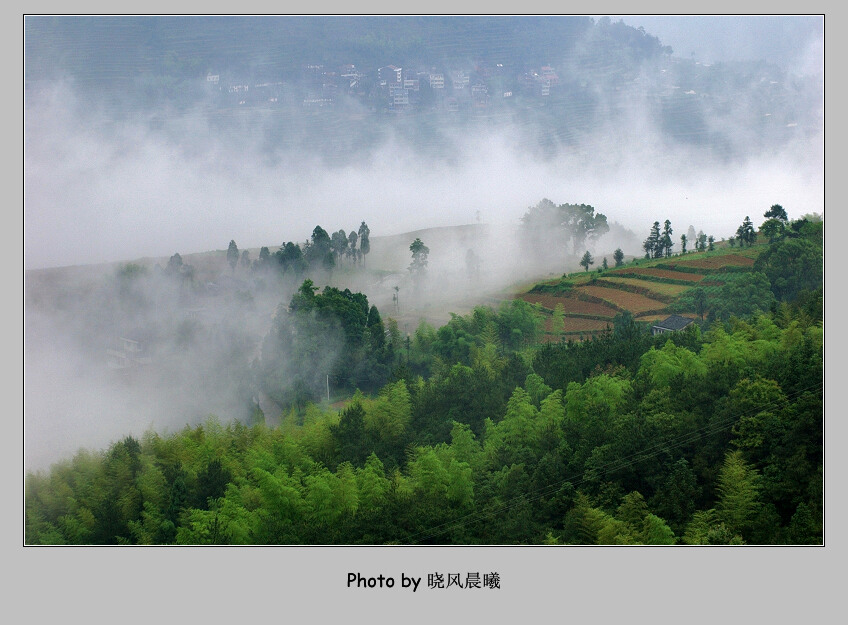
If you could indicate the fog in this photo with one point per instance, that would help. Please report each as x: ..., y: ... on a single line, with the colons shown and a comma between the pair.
x: 722, y: 38
x: 121, y: 191
x: 106, y: 186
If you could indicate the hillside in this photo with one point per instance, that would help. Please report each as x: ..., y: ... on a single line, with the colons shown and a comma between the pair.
x: 541, y: 74
x: 583, y: 304
x: 473, y: 433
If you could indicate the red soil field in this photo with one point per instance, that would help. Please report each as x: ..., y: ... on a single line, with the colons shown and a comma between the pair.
x: 570, y: 304
x: 633, y: 302
x: 576, y: 324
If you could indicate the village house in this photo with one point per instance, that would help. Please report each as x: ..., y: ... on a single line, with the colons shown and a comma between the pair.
x: 674, y: 323
x: 390, y: 74
x: 437, y: 81
x: 128, y: 354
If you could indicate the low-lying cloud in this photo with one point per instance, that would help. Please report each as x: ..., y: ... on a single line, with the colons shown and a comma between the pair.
x: 106, y: 186
x: 98, y: 191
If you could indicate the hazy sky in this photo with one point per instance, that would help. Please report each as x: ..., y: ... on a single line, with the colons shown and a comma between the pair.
x: 793, y: 42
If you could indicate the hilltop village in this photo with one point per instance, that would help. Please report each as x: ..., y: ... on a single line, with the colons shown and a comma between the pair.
x: 478, y: 87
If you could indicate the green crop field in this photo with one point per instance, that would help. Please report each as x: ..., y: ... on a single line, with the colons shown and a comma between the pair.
x: 672, y: 290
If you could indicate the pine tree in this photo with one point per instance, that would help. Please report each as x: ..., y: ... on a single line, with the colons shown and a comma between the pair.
x: 746, y: 233
x: 666, y: 242
x: 364, y: 239
x: 618, y: 257
x: 233, y: 255
x: 652, y: 244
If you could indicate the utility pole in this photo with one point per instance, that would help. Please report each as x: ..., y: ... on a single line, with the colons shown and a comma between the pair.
x: 328, y: 388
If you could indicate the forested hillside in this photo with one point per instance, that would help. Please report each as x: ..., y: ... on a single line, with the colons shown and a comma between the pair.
x: 482, y: 432
x: 314, y: 83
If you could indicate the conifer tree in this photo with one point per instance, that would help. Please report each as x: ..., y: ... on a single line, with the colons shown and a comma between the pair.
x: 233, y: 255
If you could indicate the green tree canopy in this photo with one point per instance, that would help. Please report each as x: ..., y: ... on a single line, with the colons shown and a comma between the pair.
x: 776, y: 212
x: 618, y: 257
x: 792, y: 266
x: 420, y: 252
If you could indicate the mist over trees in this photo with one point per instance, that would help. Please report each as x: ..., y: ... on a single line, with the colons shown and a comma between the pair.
x: 333, y: 337
x: 442, y: 432
x: 321, y: 118
x: 551, y: 67
x: 334, y: 387
x: 566, y: 227
x: 721, y: 451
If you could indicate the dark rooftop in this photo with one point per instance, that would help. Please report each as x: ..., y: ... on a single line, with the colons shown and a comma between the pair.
x: 675, y: 322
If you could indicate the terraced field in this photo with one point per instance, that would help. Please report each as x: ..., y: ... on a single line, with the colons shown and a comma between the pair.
x: 662, y: 289
x: 625, y: 300
x: 656, y: 272
x: 571, y: 305
x: 591, y: 300
x: 576, y: 324
x: 660, y: 317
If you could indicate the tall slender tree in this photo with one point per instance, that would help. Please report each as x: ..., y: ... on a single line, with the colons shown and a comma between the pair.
x: 667, y: 242
x: 690, y: 234
x: 339, y: 244
x: 746, y: 233
x: 352, y: 238
x: 233, y: 255
x: 364, y: 239
x: 652, y: 244
x: 420, y: 252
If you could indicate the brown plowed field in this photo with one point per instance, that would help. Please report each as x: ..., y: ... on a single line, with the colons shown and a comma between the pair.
x: 726, y: 260
x: 661, y: 273
x: 570, y: 304
x: 652, y: 318
x: 660, y: 288
x: 633, y: 302
x: 577, y: 324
